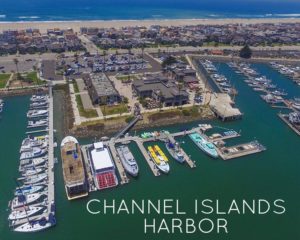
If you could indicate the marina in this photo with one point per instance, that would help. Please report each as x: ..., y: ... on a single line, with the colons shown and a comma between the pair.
x: 101, y: 173
x: 33, y: 208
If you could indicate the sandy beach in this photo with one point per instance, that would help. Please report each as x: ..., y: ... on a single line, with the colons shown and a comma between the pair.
x: 76, y: 25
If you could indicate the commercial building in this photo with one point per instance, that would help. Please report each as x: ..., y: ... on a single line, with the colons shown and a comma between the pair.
x: 161, y: 89
x: 101, y: 89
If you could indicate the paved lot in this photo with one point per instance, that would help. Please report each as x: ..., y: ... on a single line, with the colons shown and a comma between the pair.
x: 9, y: 66
x: 48, y: 70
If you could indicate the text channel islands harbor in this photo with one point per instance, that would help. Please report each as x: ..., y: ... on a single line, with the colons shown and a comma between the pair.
x: 154, y: 121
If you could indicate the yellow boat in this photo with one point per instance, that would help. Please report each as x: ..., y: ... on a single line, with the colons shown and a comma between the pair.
x: 160, y: 152
x: 159, y: 158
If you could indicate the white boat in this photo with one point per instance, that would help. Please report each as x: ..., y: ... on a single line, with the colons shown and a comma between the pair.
x: 37, y: 123
x: 34, y: 153
x: 128, y: 161
x: 33, y: 162
x: 24, y: 190
x: 39, y: 98
x: 24, y: 200
x: 37, y: 225
x: 35, y: 179
x: 37, y: 113
x: 33, y: 171
x: 41, y: 104
x: 29, y: 143
x: 24, y: 213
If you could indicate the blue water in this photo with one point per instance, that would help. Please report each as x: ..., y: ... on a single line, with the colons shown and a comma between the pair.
x: 64, y: 10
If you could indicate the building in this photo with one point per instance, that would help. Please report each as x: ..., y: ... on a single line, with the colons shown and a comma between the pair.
x: 101, y: 89
x: 103, y: 168
x: 161, y: 89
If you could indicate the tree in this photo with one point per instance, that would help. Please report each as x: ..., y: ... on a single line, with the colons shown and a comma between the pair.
x: 246, y: 52
x: 16, y: 61
x: 168, y: 61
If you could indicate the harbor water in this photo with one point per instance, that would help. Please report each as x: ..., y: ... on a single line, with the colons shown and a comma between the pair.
x: 273, y: 174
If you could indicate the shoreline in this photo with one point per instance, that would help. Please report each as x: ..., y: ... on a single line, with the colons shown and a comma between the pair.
x: 77, y: 24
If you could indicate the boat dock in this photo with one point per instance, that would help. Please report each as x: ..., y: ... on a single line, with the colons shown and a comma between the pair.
x: 38, y: 131
x: 283, y: 117
x: 218, y: 139
x: 90, y: 178
x: 240, y: 150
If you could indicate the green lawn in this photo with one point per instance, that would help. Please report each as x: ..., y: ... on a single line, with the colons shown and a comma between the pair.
x: 115, y: 109
x: 33, y: 77
x: 3, y: 79
x: 76, y: 89
x: 87, y: 113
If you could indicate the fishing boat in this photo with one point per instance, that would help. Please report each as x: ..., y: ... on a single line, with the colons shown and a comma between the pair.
x: 175, y: 151
x: 35, y: 178
x: 37, y: 113
x: 33, y: 153
x: 159, y: 158
x: 206, y: 146
x: 25, y: 200
x: 73, y: 168
x: 37, y: 225
x: 24, y: 190
x: 24, y: 213
x: 128, y: 161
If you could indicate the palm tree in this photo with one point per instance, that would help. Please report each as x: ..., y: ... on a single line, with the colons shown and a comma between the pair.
x: 16, y: 61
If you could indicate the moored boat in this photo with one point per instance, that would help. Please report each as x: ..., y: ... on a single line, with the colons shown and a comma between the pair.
x: 33, y: 153
x: 37, y: 113
x: 159, y: 158
x: 37, y: 225
x: 24, y: 190
x: 73, y: 168
x: 206, y: 146
x: 175, y: 151
x: 128, y: 161
x: 24, y: 213
x: 25, y: 200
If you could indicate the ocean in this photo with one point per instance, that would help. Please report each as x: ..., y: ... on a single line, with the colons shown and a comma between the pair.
x: 268, y: 175
x: 68, y: 10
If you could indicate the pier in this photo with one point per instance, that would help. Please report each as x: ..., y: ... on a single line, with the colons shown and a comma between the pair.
x: 283, y: 117
x: 240, y: 150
